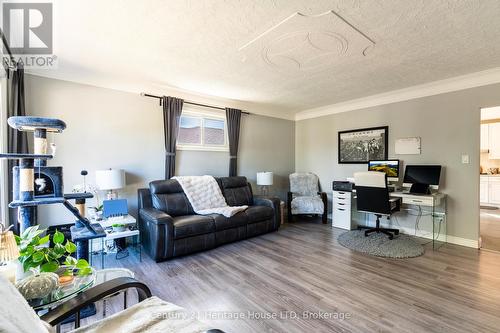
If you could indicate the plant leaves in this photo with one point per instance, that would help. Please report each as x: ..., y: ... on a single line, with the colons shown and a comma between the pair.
x: 50, y: 266
x: 58, y: 237
x: 44, y: 240
x: 37, y: 257
x: 70, y: 261
x: 28, y: 231
x: 59, y: 249
x: 27, y: 264
x: 82, y: 263
x: 85, y: 271
x: 70, y: 247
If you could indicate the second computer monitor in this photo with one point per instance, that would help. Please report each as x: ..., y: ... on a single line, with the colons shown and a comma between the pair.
x: 422, y: 174
x: 390, y: 167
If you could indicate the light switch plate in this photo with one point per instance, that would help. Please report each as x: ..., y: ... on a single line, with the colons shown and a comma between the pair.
x: 465, y: 159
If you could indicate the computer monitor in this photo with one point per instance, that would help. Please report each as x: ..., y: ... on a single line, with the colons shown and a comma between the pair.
x: 422, y: 174
x: 390, y: 167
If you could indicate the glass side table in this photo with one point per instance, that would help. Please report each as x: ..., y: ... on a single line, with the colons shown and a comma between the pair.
x: 64, y: 293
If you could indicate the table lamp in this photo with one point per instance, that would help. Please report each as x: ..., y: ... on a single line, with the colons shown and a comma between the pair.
x: 8, y: 254
x: 265, y: 180
x: 110, y: 180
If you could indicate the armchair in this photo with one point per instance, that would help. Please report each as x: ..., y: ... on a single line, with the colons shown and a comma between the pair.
x: 305, y: 197
x: 373, y: 197
x: 17, y: 316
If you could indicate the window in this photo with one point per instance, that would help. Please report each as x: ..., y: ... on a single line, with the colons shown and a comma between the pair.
x: 202, y: 131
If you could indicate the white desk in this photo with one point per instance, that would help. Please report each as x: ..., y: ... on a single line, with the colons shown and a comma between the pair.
x: 425, y: 200
x: 432, y: 205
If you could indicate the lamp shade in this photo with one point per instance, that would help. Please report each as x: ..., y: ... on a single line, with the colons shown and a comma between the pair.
x: 265, y: 178
x: 8, y: 247
x: 110, y: 179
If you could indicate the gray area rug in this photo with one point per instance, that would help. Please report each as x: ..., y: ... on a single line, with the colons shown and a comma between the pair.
x: 378, y: 244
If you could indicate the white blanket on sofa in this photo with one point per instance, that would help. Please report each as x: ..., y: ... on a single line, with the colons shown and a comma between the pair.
x: 205, y: 196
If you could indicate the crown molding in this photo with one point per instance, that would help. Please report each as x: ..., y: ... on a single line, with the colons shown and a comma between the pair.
x: 477, y: 79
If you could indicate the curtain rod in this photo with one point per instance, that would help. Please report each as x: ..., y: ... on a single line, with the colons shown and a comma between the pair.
x: 193, y: 103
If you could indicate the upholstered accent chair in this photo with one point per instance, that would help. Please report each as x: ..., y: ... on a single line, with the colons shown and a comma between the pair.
x: 151, y: 314
x: 305, y: 197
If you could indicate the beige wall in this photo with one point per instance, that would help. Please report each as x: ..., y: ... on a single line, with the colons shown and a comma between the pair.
x: 448, y: 125
x: 113, y: 129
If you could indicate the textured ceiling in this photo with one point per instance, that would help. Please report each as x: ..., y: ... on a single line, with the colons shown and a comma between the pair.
x: 263, y: 52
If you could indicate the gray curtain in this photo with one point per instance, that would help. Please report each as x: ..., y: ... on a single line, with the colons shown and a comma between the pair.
x: 17, y: 141
x: 172, y: 109
x: 233, y: 118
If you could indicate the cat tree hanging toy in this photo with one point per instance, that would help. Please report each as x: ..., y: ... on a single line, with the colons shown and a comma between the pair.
x: 35, y: 183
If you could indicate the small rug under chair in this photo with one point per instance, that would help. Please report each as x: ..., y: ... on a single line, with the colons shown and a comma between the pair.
x: 378, y: 244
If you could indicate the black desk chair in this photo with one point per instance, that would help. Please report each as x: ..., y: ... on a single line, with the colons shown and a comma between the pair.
x: 373, y: 197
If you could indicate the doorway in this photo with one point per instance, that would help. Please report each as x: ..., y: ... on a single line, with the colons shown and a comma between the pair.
x: 490, y: 179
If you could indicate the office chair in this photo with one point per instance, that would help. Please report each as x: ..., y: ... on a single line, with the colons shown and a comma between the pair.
x: 373, y: 197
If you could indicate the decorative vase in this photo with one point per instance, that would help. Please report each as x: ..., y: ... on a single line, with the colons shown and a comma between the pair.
x: 38, y: 286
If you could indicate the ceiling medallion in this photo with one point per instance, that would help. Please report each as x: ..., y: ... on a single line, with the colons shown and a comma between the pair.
x: 307, y: 42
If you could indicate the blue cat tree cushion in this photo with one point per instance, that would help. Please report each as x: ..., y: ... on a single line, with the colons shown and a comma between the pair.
x: 29, y: 124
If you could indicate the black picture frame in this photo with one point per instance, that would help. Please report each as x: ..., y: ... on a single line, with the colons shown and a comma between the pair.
x: 382, y: 154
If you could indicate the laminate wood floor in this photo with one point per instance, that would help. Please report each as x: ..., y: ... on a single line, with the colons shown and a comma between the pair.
x: 490, y: 229
x: 301, y: 268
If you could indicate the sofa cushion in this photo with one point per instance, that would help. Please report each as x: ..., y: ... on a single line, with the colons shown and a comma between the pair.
x: 259, y: 213
x: 223, y: 223
x: 192, y: 225
x: 168, y: 196
x: 237, y: 191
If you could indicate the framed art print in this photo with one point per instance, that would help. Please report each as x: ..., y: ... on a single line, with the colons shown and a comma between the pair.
x: 362, y: 145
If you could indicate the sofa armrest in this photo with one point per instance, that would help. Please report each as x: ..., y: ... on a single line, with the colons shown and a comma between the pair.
x: 157, y: 233
x: 155, y: 216
x: 274, y: 203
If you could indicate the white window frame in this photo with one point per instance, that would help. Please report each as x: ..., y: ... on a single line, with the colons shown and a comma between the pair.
x: 201, y: 114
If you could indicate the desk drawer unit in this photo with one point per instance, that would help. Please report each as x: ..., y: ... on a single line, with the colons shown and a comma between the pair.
x: 341, y: 210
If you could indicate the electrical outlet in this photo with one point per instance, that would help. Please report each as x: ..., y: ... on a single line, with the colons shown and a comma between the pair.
x: 465, y: 159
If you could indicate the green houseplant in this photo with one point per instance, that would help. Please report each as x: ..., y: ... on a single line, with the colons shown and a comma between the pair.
x: 36, y: 255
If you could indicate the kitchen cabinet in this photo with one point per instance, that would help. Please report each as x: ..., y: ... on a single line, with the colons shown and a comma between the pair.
x: 494, y: 140
x: 484, y: 189
x: 494, y: 190
x: 484, y: 137
x: 489, y: 190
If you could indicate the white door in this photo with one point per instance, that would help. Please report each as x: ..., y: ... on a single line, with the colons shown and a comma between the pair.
x: 483, y: 190
x: 484, y: 137
x: 494, y: 190
x: 494, y: 140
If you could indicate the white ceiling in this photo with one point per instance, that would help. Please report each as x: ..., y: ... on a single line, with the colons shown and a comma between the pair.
x: 261, y: 53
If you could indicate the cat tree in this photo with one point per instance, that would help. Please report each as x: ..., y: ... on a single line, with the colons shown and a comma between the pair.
x: 36, y: 184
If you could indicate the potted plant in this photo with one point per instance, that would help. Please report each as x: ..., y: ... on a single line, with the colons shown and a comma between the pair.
x: 119, y: 227
x: 41, y: 260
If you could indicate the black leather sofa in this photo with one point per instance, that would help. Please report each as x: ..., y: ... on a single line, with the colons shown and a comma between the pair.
x: 170, y: 228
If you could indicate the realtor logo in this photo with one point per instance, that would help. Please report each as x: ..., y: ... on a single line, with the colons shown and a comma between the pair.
x: 28, y: 27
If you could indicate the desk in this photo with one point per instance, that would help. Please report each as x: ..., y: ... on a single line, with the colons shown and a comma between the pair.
x: 432, y: 205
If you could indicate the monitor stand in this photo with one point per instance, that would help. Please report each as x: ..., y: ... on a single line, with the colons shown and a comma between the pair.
x: 419, y: 188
